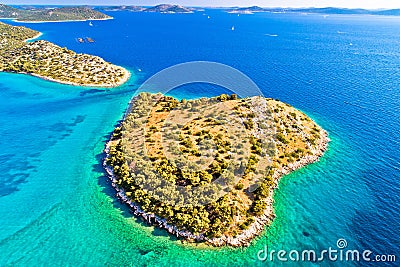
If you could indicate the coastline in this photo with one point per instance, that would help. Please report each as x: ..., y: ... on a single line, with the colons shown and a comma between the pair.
x: 241, y: 12
x: 34, y: 37
x: 53, y: 21
x: 246, y: 237
x: 118, y: 76
x: 126, y: 77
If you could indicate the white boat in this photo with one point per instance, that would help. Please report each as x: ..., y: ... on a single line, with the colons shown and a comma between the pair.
x: 233, y: 28
x: 90, y: 24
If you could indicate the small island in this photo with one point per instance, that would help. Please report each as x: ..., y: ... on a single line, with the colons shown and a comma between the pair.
x: 271, y: 139
x: 122, y: 8
x: 166, y: 8
x: 247, y: 10
x: 51, y: 62
x: 51, y: 14
x: 162, y: 8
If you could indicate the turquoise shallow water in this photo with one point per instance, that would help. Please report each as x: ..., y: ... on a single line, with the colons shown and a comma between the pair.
x: 57, y: 209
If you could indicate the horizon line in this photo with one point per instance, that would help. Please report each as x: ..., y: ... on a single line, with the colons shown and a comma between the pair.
x: 210, y: 7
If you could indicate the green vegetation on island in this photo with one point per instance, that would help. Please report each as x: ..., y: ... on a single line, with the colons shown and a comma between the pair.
x: 166, y: 8
x: 51, y: 14
x: 248, y: 10
x: 52, y: 62
x: 275, y: 139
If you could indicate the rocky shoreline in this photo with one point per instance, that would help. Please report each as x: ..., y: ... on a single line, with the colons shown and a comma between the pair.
x: 126, y: 77
x: 34, y: 37
x: 245, y: 238
x: 258, y: 226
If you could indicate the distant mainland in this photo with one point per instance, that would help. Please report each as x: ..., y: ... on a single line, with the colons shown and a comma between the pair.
x: 46, y: 14
x: 325, y: 10
x: 81, y: 13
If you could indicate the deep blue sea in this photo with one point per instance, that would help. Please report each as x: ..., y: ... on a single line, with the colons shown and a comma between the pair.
x: 57, y: 208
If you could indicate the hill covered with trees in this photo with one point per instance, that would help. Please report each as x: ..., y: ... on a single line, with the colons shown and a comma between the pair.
x: 51, y: 14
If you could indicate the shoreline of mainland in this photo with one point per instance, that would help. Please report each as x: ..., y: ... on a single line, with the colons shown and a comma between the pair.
x: 56, y: 21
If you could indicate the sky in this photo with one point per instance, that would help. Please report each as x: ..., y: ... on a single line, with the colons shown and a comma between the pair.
x: 367, y: 4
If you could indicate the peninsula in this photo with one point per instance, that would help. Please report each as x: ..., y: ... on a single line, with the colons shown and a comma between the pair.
x: 51, y: 14
x: 51, y: 62
x: 274, y: 140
